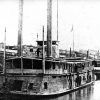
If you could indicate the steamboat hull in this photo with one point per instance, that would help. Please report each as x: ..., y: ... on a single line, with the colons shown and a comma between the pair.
x: 19, y: 95
x: 61, y: 77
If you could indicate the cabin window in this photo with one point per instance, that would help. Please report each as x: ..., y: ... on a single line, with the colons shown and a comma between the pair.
x: 63, y: 66
x: 98, y: 63
x: 66, y: 66
x: 75, y: 68
x: 37, y: 64
x: 53, y: 65
x: 83, y: 66
x: 91, y: 63
x: 70, y: 68
x: 57, y: 65
x: 31, y: 50
x: 30, y: 87
x: 53, y: 76
x: 88, y: 64
x: 64, y: 76
x: 9, y: 64
x: 27, y: 63
x: 17, y: 63
x: 17, y: 85
x: 48, y: 65
x: 45, y: 85
x: 60, y: 76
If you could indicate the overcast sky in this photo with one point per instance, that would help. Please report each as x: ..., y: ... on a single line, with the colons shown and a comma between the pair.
x: 84, y: 15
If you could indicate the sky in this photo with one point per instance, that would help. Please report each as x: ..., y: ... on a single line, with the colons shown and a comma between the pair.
x: 82, y: 15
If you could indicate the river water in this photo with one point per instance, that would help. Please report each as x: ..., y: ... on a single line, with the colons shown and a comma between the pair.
x: 88, y: 93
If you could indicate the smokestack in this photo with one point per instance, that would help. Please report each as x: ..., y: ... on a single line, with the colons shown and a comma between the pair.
x: 49, y: 28
x: 20, y: 28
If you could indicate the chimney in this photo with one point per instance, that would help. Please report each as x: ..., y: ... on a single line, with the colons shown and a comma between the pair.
x: 49, y: 28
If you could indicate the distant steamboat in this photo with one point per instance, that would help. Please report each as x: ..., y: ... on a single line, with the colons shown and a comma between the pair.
x: 46, y: 74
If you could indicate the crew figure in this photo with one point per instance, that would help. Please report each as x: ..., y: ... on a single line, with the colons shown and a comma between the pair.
x: 70, y: 81
x: 38, y: 51
x: 87, y: 76
x: 78, y: 80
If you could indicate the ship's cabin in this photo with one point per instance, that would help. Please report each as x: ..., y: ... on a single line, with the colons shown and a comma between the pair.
x: 74, y: 66
x: 96, y: 62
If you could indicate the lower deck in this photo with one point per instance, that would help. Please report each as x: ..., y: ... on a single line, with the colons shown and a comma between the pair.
x: 47, y: 84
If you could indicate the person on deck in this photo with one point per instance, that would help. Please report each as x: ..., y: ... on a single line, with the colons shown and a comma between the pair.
x: 78, y: 80
x: 70, y: 81
x: 38, y: 52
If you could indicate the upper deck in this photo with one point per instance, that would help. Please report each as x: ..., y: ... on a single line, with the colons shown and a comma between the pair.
x: 24, y: 65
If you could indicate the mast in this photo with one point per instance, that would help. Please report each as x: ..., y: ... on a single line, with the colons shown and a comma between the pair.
x: 87, y: 54
x: 73, y: 41
x: 4, y: 64
x: 49, y: 28
x: 72, y: 30
x: 57, y: 20
x: 73, y: 37
x: 43, y: 53
x: 20, y: 28
x: 37, y: 36
x: 70, y: 52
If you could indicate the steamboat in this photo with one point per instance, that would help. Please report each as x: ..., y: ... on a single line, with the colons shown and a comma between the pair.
x: 45, y: 74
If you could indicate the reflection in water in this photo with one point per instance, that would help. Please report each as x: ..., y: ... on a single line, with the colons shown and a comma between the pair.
x: 88, y: 93
x: 96, y: 94
x: 83, y: 94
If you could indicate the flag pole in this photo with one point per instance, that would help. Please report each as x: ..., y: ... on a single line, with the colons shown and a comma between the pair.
x: 57, y: 20
x: 72, y: 30
x: 37, y: 36
x: 4, y: 60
